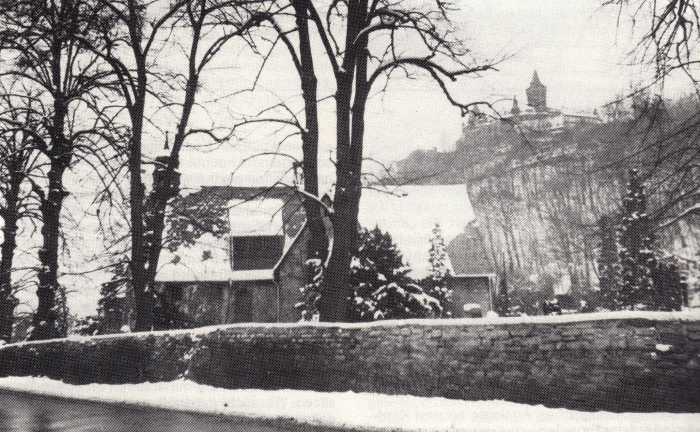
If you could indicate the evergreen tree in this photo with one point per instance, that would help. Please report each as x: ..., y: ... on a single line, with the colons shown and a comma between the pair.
x: 113, y: 307
x: 636, y: 256
x: 435, y: 284
x: 670, y: 287
x: 632, y: 274
x: 311, y: 292
x: 382, y: 287
x: 609, y: 271
x: 116, y: 301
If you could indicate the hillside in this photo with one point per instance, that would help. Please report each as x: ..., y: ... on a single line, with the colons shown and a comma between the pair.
x: 538, y: 193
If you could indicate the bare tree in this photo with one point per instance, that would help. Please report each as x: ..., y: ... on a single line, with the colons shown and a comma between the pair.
x: 670, y: 34
x: 380, y: 38
x: 301, y: 53
x: 48, y: 56
x: 131, y: 48
x: 19, y: 160
x: 667, y: 153
x: 304, y: 63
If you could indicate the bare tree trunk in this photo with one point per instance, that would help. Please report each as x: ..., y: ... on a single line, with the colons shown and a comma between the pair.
x: 139, y: 251
x: 60, y: 155
x: 45, y: 315
x: 148, y: 213
x: 142, y: 294
x: 10, y: 215
x: 318, y: 241
x: 332, y: 304
x: 335, y: 298
x: 166, y: 183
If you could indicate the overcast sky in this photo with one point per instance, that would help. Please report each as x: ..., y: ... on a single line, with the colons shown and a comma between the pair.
x: 578, y: 49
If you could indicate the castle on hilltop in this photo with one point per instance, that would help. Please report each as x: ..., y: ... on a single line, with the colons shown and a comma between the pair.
x: 537, y: 116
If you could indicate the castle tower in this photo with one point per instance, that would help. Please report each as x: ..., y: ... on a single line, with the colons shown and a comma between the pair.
x: 537, y: 93
x: 515, y: 110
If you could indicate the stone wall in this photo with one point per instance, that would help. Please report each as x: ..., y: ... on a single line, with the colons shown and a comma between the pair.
x: 613, y: 362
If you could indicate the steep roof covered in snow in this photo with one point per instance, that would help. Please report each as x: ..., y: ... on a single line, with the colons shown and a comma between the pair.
x: 205, y: 261
x: 206, y: 219
x: 408, y: 213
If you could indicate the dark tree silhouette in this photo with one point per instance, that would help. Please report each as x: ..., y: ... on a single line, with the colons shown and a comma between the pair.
x: 382, y: 288
x: 435, y: 283
x: 669, y: 41
x: 131, y: 42
x: 19, y: 161
x: 609, y: 275
x: 670, y: 34
x: 636, y: 242
x: 49, y: 57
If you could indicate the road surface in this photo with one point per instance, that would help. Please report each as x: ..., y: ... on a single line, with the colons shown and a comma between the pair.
x: 23, y: 412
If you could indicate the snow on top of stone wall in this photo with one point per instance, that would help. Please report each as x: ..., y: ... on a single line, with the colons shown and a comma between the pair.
x: 685, y: 316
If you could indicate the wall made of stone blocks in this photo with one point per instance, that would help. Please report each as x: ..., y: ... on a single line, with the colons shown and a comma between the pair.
x: 646, y: 362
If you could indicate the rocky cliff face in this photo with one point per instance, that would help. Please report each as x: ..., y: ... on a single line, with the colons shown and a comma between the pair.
x: 538, y: 196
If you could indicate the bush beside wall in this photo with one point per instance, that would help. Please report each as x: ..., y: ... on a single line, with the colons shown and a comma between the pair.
x: 645, y: 362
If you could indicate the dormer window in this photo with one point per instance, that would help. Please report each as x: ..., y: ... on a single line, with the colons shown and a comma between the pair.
x: 255, y: 252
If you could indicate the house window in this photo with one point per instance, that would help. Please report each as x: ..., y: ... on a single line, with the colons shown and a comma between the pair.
x: 256, y: 252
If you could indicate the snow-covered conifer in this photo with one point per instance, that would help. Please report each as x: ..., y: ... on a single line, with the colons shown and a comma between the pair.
x: 609, y: 270
x: 435, y: 284
x: 382, y: 287
x: 636, y: 241
x: 311, y: 292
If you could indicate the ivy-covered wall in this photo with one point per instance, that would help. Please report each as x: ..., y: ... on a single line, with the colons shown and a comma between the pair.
x: 613, y: 362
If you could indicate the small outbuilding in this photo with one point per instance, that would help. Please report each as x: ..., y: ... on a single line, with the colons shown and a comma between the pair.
x: 472, y: 289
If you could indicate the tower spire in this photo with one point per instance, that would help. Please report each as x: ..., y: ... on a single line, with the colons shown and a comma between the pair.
x: 537, y: 93
x: 515, y: 110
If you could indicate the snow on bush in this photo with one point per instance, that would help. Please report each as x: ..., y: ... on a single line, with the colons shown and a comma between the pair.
x: 382, y: 288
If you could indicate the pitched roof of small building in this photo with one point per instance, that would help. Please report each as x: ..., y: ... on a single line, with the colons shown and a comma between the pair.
x: 206, y: 219
x: 409, y: 214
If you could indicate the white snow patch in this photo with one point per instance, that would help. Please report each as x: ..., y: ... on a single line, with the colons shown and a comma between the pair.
x: 358, y: 410
x: 663, y: 347
x: 255, y: 217
x: 410, y: 214
x: 190, y: 267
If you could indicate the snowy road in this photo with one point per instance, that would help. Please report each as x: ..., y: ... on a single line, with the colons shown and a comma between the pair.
x: 41, y: 404
x: 25, y: 412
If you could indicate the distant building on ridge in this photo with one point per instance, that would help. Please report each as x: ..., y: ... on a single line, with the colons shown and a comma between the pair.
x: 537, y: 116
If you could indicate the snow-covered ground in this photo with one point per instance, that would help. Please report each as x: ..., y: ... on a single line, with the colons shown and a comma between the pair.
x: 358, y: 410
